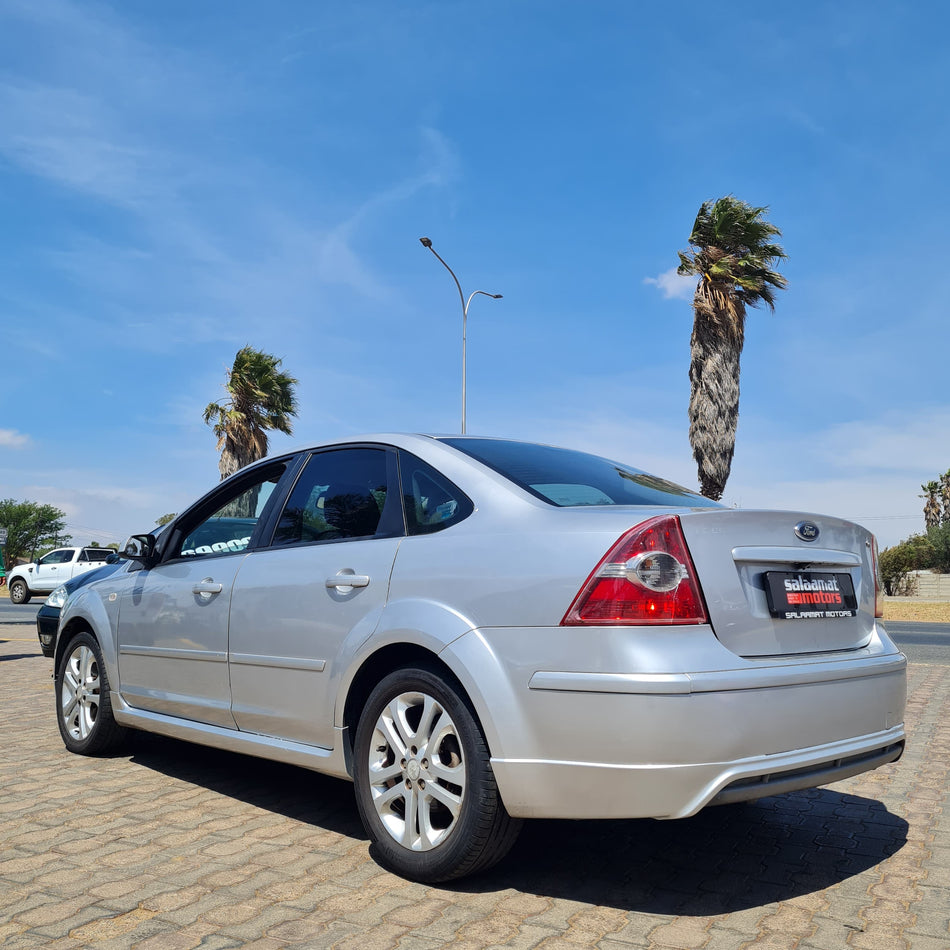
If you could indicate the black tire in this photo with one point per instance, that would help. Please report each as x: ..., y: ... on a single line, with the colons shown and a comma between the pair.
x: 417, y: 733
x: 84, y: 701
x: 19, y: 592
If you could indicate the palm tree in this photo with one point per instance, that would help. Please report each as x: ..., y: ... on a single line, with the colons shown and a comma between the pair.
x: 945, y: 497
x: 931, y: 497
x: 732, y: 252
x: 260, y: 398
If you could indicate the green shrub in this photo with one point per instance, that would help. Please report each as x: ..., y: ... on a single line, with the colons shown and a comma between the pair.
x: 915, y: 554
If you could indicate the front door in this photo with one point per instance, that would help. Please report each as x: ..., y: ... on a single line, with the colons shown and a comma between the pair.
x: 173, y: 618
x: 52, y: 570
x: 173, y: 639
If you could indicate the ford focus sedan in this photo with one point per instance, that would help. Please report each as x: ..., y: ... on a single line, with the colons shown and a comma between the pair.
x: 480, y: 631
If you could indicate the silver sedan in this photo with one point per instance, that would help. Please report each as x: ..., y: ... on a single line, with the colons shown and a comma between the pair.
x: 479, y: 631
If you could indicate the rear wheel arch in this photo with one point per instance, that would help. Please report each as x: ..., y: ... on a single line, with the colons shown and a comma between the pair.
x: 380, y: 664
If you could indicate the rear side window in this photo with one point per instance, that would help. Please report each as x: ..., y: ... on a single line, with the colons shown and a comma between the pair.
x: 569, y: 479
x: 341, y: 494
x: 432, y: 502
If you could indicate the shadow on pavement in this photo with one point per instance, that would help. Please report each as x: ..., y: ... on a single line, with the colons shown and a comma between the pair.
x: 284, y: 789
x: 719, y: 861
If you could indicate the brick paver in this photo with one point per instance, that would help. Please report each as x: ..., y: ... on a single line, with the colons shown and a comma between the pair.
x: 174, y: 847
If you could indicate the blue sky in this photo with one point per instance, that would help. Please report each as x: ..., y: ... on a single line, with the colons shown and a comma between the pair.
x: 180, y: 179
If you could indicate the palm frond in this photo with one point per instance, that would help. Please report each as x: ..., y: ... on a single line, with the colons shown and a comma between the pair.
x: 732, y: 243
x: 260, y: 398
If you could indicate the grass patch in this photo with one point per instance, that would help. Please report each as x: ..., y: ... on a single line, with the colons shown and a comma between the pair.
x: 922, y: 611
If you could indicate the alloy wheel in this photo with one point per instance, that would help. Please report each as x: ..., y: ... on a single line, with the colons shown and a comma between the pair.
x: 416, y: 771
x: 79, y: 695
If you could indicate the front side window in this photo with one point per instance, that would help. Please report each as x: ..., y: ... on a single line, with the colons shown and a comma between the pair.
x: 57, y: 557
x: 568, y: 478
x: 341, y: 494
x: 229, y: 526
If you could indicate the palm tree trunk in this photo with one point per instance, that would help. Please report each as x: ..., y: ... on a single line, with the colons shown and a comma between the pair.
x: 715, y: 349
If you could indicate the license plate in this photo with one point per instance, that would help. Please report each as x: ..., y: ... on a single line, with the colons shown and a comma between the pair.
x: 808, y: 595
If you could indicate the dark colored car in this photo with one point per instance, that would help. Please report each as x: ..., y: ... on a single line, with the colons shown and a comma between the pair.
x: 47, y: 618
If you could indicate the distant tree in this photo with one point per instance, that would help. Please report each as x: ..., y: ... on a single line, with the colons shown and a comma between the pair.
x: 166, y: 519
x: 260, y: 398
x: 939, y: 540
x: 30, y: 526
x: 897, y: 563
x: 932, y: 504
x: 732, y: 252
x: 945, y: 497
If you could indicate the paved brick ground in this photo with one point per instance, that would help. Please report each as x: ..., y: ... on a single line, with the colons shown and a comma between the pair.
x: 176, y: 847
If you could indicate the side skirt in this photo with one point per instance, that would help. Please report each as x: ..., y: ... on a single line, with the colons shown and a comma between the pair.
x: 328, y: 761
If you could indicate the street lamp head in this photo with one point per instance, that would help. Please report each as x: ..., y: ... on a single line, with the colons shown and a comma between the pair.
x: 496, y: 296
x: 425, y: 242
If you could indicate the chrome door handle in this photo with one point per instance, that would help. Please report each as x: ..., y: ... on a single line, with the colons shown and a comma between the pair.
x: 207, y: 586
x: 346, y: 582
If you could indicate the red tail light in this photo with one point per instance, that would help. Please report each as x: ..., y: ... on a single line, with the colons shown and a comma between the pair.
x: 878, y: 583
x: 647, y: 577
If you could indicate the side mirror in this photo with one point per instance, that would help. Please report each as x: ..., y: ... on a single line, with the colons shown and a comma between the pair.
x: 140, y: 547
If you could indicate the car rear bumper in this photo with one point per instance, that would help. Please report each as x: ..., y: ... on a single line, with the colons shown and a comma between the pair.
x: 582, y: 742
x: 552, y: 789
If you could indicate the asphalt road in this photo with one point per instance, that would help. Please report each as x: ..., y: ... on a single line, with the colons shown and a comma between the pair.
x: 922, y: 642
x: 20, y: 613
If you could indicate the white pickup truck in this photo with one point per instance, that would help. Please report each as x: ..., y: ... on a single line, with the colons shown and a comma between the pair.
x: 51, y: 570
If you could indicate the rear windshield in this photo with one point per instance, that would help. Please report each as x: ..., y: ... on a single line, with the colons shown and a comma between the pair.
x: 570, y: 479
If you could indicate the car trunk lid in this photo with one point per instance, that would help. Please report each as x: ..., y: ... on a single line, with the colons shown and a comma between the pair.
x: 771, y: 592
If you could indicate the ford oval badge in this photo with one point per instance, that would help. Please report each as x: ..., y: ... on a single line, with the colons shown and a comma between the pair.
x: 807, y: 530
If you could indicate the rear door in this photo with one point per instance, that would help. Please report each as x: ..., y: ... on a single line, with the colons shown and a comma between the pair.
x: 324, y: 578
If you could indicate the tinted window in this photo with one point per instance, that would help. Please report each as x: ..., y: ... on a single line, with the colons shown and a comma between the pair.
x: 568, y: 478
x: 95, y: 554
x: 229, y: 527
x: 57, y: 557
x: 432, y: 502
x: 341, y: 494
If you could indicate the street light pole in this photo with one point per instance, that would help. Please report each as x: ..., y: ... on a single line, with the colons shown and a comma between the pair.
x: 425, y: 242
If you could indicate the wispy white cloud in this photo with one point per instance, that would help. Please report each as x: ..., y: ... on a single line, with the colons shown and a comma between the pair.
x: 914, y: 443
x: 11, y: 439
x: 868, y: 470
x: 68, y: 138
x: 336, y: 259
x: 673, y: 285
